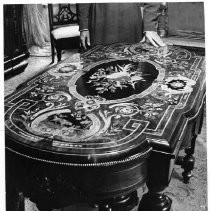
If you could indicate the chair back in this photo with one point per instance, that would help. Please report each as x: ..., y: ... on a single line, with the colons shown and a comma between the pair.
x: 62, y: 14
x: 64, y: 28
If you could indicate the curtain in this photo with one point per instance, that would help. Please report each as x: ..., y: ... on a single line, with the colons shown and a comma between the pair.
x: 36, y: 28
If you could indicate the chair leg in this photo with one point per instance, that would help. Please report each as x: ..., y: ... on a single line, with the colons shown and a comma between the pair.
x: 58, y: 54
x: 52, y: 49
x: 53, y: 53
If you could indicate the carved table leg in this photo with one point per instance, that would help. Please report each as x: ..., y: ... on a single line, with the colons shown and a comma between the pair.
x: 122, y: 203
x: 59, y: 52
x: 187, y: 162
x: 155, y: 200
x: 158, y: 178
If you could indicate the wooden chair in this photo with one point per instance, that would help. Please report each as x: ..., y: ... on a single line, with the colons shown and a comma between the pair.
x: 64, y: 29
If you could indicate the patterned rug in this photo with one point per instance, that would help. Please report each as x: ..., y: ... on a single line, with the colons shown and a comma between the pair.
x: 186, y: 197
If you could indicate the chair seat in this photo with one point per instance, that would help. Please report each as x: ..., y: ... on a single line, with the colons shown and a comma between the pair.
x: 66, y: 32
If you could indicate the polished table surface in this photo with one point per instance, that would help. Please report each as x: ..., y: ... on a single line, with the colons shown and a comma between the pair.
x: 112, y: 100
x: 116, y: 102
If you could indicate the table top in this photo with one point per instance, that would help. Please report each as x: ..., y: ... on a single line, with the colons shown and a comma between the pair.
x: 111, y: 101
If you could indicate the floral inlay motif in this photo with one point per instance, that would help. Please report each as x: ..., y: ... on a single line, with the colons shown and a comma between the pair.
x: 45, y: 89
x: 151, y: 109
x: 178, y: 85
x: 113, y: 77
x: 65, y: 70
x: 89, y: 105
x: 182, y: 65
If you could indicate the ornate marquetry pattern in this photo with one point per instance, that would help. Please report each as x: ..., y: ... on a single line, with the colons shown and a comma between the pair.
x: 105, y: 101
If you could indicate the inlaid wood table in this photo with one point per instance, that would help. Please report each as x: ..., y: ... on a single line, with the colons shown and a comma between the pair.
x: 95, y: 129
